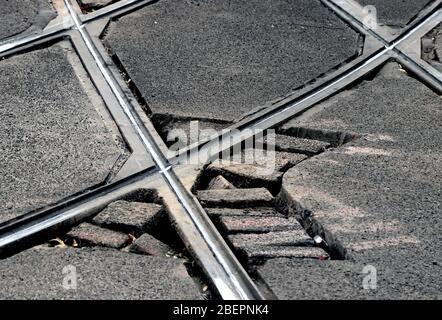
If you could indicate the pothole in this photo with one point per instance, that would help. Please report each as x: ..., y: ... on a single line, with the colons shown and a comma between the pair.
x: 246, y: 203
x: 193, y: 78
x: 179, y: 132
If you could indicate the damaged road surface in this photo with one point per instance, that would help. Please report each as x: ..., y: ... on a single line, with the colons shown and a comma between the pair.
x: 56, y: 138
x: 341, y: 201
x: 375, y: 200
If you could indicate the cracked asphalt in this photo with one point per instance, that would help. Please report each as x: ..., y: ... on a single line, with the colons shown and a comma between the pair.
x: 361, y: 170
x: 379, y: 195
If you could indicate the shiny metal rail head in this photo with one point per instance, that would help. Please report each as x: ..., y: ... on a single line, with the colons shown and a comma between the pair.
x: 116, y: 9
x: 288, y: 108
x: 232, y: 281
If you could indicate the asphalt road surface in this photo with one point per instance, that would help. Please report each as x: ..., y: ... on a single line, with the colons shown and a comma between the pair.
x: 352, y: 209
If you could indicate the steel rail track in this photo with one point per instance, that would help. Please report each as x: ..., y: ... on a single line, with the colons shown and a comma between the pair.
x: 206, y: 244
x: 231, y: 280
x: 429, y: 76
x: 60, y: 26
x: 20, y: 232
x: 273, y: 116
x: 220, y: 264
x: 20, y: 44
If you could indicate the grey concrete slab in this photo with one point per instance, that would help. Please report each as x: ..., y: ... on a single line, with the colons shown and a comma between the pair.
x: 257, y: 254
x: 100, y: 274
x: 87, y: 234
x: 53, y: 141
x: 295, y: 237
x: 380, y: 196
x: 133, y: 218
x: 396, y: 12
x: 295, y: 279
x: 244, y: 174
x: 220, y: 60
x: 262, y: 224
x: 236, y: 198
x: 307, y: 279
x: 94, y: 4
x: 17, y: 16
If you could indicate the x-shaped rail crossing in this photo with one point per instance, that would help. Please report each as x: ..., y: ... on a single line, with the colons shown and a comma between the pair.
x: 150, y: 167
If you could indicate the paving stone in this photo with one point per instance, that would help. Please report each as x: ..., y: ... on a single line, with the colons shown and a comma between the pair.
x: 133, y: 218
x: 102, y: 273
x: 297, y: 145
x: 295, y: 237
x: 387, y: 177
x: 20, y: 15
x: 295, y: 279
x: 232, y: 56
x: 269, y: 211
x: 146, y: 244
x: 235, y: 198
x: 286, y: 160
x: 378, y: 196
x: 94, y: 4
x: 233, y: 225
x: 396, y: 12
x: 87, y: 234
x: 220, y: 183
x: 247, y: 175
x: 257, y: 254
x: 53, y: 142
